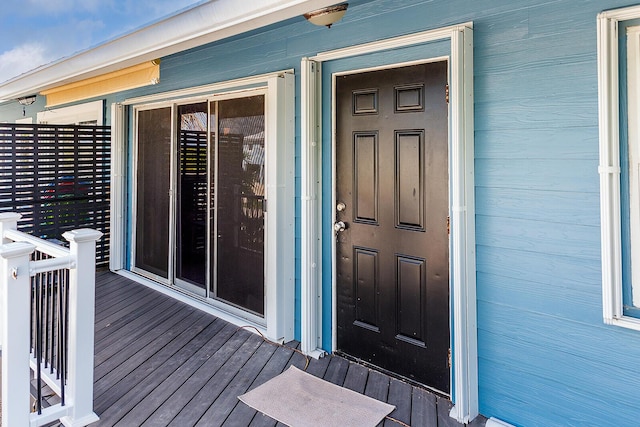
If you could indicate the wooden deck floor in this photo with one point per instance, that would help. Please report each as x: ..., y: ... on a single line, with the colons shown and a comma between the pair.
x: 160, y: 362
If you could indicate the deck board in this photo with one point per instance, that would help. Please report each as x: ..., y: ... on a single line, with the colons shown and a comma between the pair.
x: 242, y: 414
x: 198, y: 405
x: 160, y: 362
x: 400, y: 397
x: 133, y: 398
x: 356, y: 378
x: 423, y: 408
x: 337, y: 370
x: 181, y: 397
x: 156, y: 391
x: 217, y: 412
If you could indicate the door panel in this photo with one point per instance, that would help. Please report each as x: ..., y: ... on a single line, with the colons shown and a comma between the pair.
x: 152, y: 191
x: 191, y: 206
x: 365, y: 159
x: 366, y: 274
x: 240, y: 203
x: 409, y: 171
x: 392, y: 258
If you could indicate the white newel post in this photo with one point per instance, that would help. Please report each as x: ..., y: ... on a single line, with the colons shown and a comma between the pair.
x: 15, y: 282
x: 8, y: 221
x: 82, y: 281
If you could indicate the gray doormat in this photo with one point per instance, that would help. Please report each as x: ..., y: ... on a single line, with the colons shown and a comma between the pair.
x: 299, y: 399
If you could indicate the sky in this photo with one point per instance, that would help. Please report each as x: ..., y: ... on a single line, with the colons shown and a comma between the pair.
x: 37, y: 32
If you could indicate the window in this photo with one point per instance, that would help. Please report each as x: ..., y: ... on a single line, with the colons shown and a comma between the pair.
x: 89, y: 113
x: 619, y: 109
x: 631, y: 174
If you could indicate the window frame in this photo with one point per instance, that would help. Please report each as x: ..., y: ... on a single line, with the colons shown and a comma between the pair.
x: 632, y: 294
x: 613, y: 286
x: 74, y: 114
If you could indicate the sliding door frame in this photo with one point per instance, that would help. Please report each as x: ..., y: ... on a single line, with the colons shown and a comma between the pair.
x: 279, y: 228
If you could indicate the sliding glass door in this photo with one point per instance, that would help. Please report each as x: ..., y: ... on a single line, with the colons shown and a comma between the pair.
x: 240, y: 203
x: 200, y: 199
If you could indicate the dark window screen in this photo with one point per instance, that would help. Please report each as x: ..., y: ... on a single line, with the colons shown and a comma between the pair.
x: 153, y: 183
x: 240, y: 202
x: 191, y: 212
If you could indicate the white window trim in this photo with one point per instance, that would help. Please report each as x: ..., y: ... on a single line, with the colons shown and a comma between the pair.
x: 609, y: 168
x: 74, y: 114
x: 633, y: 90
x: 463, y: 277
x: 280, y: 193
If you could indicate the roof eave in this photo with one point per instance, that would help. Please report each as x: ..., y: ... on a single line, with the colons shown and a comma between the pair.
x: 204, y: 23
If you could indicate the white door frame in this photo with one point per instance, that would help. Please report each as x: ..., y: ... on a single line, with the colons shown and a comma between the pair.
x: 464, y: 371
x: 278, y: 88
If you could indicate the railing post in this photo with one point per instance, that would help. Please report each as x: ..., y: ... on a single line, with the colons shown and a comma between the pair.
x: 8, y: 221
x: 82, y: 281
x: 15, y: 284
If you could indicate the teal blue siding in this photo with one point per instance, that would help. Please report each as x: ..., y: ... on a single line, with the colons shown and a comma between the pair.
x: 545, y: 356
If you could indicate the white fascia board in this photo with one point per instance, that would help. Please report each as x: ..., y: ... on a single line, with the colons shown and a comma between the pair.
x: 202, y: 24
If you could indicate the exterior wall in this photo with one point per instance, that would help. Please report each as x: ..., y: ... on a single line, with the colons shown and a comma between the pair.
x: 11, y: 111
x: 545, y: 356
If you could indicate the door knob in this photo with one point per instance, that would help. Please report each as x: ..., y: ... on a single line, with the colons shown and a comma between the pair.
x: 339, y: 226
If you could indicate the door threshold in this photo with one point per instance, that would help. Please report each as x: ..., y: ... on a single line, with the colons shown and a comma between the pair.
x: 392, y: 374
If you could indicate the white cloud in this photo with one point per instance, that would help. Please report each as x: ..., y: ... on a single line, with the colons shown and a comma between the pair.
x: 63, y: 27
x: 63, y: 6
x: 21, y: 59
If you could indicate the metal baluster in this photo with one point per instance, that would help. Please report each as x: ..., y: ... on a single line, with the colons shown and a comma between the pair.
x: 59, y: 326
x: 45, y: 295
x: 38, y: 349
x: 52, y: 296
x: 64, y: 281
x: 54, y: 321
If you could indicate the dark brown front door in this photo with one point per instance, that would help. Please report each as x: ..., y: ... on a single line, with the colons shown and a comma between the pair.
x: 392, y: 198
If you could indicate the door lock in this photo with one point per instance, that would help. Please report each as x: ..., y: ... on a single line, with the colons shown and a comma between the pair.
x: 341, y: 206
x: 339, y: 226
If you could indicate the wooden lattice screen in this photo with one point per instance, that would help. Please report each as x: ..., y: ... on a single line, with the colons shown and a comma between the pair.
x: 57, y: 177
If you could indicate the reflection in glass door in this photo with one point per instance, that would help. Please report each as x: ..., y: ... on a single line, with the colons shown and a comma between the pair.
x: 191, y: 204
x: 238, y: 270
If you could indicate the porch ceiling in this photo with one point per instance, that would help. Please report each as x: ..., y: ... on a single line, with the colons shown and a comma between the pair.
x: 204, y: 23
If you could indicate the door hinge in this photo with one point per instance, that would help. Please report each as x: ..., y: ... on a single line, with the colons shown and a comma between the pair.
x: 264, y: 205
x: 449, y: 358
x: 448, y: 225
x: 446, y: 93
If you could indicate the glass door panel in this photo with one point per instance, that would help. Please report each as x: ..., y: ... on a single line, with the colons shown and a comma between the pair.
x: 191, y: 205
x: 152, y: 191
x: 239, y: 241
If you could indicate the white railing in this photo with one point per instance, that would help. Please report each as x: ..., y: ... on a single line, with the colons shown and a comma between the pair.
x: 47, y: 296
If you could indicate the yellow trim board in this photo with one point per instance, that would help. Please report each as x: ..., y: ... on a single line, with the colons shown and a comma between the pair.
x: 128, y: 78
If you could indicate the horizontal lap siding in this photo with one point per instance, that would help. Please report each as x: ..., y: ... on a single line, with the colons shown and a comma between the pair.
x: 545, y: 356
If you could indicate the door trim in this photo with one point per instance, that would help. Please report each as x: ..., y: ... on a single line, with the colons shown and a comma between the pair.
x: 464, y: 384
